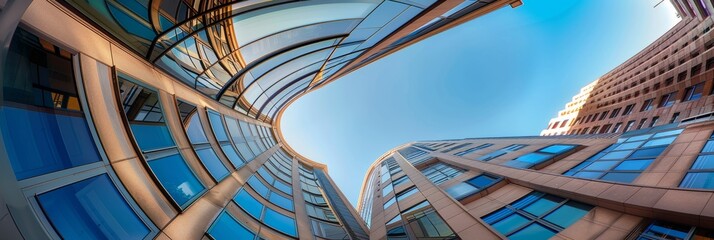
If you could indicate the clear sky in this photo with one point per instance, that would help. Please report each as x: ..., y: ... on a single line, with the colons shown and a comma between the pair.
x: 503, y: 74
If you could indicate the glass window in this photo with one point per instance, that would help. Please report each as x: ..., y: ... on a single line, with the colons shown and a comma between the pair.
x: 389, y: 202
x: 143, y: 109
x: 406, y: 193
x: 423, y: 222
x: 531, y: 159
x: 227, y: 227
x: 472, y: 186
x: 441, y: 172
x: 473, y: 149
x: 40, y: 113
x: 501, y: 152
x: 568, y: 214
x: 91, y: 208
x: 214, y: 165
x: 281, y: 201
x: 280, y: 222
x: 533, y: 231
x: 461, y: 190
x: 217, y: 125
x: 249, y: 204
x: 659, y: 230
x: 178, y: 180
x: 701, y: 173
x: 527, y: 217
x: 627, y: 158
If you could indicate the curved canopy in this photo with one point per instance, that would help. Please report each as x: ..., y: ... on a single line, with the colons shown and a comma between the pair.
x: 255, y: 56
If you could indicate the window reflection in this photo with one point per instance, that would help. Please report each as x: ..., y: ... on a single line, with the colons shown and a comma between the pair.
x: 142, y: 108
x: 42, y: 121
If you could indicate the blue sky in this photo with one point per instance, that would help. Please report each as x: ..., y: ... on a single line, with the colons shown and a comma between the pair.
x: 504, y: 74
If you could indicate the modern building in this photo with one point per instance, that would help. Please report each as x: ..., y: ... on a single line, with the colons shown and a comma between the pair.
x: 630, y: 157
x: 151, y: 119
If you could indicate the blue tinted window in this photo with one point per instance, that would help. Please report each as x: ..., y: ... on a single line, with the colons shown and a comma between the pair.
x: 232, y: 155
x: 217, y: 125
x: 648, y: 152
x: 626, y: 159
x: 461, y: 190
x: 40, y: 112
x: 280, y: 222
x: 482, y: 181
x: 389, y: 202
x: 177, y: 179
x: 510, y: 223
x: 283, y: 187
x: 543, y: 205
x: 620, y: 177
x: 704, y: 162
x: 212, y: 163
x: 698, y: 180
x: 556, y: 149
x: 519, y: 219
x: 248, y: 203
x: 91, y: 209
x: 568, y: 214
x: 226, y: 228
x: 195, y: 130
x: 635, y: 165
x: 39, y: 142
x: 258, y: 186
x: 151, y: 137
x: 281, y: 201
x: 533, y: 231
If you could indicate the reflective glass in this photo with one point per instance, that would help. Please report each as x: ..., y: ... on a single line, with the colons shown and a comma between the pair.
x: 194, y: 130
x: 280, y: 222
x: 406, y: 193
x: 661, y: 141
x: 482, y: 181
x: 257, y: 24
x: 281, y: 201
x: 226, y: 228
x: 43, y: 142
x: 628, y: 146
x: 258, y: 186
x: 601, y: 165
x: 556, y: 149
x: 248, y: 203
x: 648, y: 152
x: 543, y: 205
x: 177, y: 178
x: 667, y: 231
x: 213, y: 164
x: 634, y: 165
x: 151, y: 136
x: 232, y: 155
x: 387, y: 189
x: 616, y: 155
x: 704, y: 162
x: 534, y: 231
x: 568, y: 214
x: 91, y: 209
x: 217, y: 125
x: 389, y: 202
x: 461, y: 190
x: 510, y: 223
x: 534, y: 158
x: 698, y: 180
x: 620, y: 177
x: 588, y: 174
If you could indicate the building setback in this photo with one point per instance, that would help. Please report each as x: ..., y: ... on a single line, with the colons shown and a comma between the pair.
x: 151, y: 119
x: 630, y: 157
